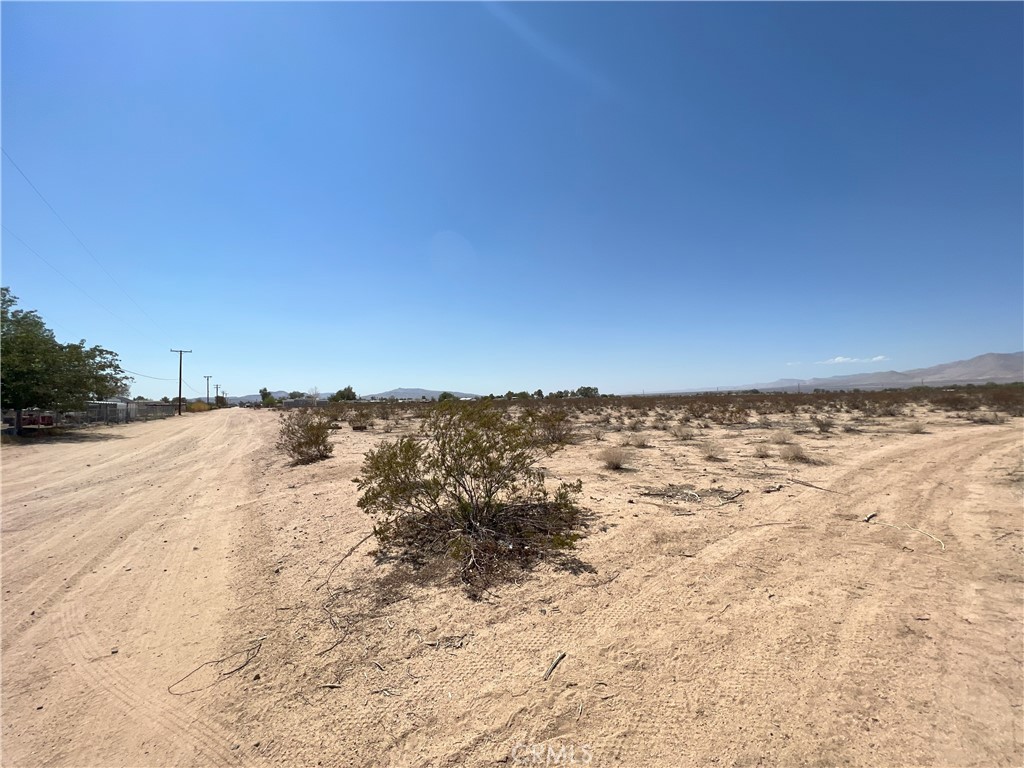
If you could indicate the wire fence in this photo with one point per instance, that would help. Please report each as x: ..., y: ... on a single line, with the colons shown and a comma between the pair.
x: 97, y: 412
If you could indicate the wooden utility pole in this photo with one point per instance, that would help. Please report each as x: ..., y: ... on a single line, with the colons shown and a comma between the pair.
x: 181, y: 354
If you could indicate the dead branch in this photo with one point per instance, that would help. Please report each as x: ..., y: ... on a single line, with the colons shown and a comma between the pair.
x: 248, y: 655
x: 732, y: 498
x: 555, y: 663
x: 343, y: 558
x: 818, y: 487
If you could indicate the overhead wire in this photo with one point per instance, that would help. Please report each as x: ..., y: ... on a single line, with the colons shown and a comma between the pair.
x: 85, y: 293
x: 77, y: 238
x: 155, y: 378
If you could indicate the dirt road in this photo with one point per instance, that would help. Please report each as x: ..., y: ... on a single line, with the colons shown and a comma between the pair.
x: 773, y: 627
x: 119, y: 546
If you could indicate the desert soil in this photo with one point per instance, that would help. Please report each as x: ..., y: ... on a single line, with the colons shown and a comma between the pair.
x: 175, y: 593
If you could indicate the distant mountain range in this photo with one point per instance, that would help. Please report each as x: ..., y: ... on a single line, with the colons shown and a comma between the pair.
x: 414, y: 394
x: 999, y: 368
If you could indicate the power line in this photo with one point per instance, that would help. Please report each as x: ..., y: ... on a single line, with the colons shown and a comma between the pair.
x: 155, y: 378
x: 85, y: 293
x: 77, y: 238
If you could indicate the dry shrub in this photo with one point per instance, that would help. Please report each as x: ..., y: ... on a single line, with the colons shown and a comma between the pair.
x: 468, y: 492
x: 793, y: 452
x: 682, y: 433
x: 305, y: 435
x: 198, y: 407
x: 915, y: 428
x: 781, y: 437
x: 761, y: 451
x: 614, y: 457
x: 823, y: 423
x: 988, y: 418
x: 712, y: 451
x: 641, y: 441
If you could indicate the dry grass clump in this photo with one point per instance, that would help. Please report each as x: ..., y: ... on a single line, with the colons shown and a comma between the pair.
x: 823, y: 423
x: 761, y: 451
x: 682, y: 433
x: 988, y: 418
x: 794, y: 453
x: 712, y: 451
x: 781, y: 437
x: 915, y: 428
x: 614, y: 457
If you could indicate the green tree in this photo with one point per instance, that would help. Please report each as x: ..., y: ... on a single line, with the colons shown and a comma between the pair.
x: 267, y: 398
x: 296, y: 395
x: 343, y: 394
x: 586, y: 392
x: 220, y: 401
x: 446, y: 396
x: 40, y: 372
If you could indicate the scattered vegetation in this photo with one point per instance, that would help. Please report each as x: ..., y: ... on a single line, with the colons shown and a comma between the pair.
x: 468, y: 492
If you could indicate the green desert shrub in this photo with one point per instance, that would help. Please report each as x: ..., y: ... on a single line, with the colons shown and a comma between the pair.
x: 305, y: 435
x: 553, y: 427
x: 468, y: 492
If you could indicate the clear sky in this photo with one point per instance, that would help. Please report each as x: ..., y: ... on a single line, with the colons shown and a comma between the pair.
x: 489, y: 197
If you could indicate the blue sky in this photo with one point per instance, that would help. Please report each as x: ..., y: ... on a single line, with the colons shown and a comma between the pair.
x: 491, y: 197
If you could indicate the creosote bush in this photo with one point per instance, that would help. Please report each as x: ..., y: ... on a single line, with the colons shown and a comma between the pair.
x: 468, y: 492
x: 305, y: 435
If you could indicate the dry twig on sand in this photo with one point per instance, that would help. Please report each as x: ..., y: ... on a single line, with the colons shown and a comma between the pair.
x: 343, y: 558
x: 248, y: 654
x: 817, y: 487
x: 555, y: 663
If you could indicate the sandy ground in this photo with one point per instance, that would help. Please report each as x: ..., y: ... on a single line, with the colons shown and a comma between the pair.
x: 775, y: 627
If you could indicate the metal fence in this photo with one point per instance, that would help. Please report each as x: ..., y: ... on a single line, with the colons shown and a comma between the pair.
x: 115, y: 412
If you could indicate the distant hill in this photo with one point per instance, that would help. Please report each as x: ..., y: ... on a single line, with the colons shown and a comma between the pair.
x: 414, y: 394
x: 999, y: 368
x: 278, y: 393
x: 398, y: 394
